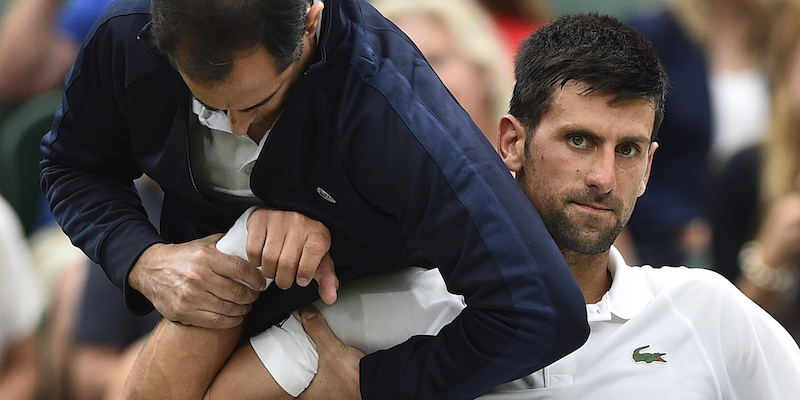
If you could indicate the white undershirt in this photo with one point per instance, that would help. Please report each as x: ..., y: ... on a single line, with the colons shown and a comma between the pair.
x: 221, y: 161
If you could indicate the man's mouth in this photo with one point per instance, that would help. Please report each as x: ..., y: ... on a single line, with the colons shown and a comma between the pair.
x: 595, y: 208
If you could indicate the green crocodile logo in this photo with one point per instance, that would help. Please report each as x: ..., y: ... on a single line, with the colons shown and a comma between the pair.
x: 647, y: 357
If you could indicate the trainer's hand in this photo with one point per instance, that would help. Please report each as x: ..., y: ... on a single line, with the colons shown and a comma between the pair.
x: 192, y: 283
x: 292, y: 247
x: 338, y: 373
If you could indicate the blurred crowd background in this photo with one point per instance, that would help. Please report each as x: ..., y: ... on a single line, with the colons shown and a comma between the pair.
x: 724, y: 192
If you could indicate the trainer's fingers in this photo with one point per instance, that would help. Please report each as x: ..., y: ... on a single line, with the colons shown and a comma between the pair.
x: 314, y: 249
x: 237, y: 280
x: 327, y: 280
x: 256, y: 236
x: 288, y: 260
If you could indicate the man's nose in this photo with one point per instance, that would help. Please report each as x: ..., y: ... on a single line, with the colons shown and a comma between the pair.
x: 240, y: 122
x: 602, y: 173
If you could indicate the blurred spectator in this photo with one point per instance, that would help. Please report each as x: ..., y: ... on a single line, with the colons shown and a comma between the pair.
x: 462, y: 45
x: 102, y: 328
x: 21, y: 307
x: 719, y: 104
x: 39, y: 40
x: 517, y: 18
x: 757, y: 213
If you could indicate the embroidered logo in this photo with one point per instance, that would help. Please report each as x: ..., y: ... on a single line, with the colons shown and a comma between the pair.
x: 325, y: 195
x: 647, y: 357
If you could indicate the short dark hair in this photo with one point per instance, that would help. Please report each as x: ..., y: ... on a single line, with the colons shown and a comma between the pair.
x: 597, y: 50
x: 201, y: 36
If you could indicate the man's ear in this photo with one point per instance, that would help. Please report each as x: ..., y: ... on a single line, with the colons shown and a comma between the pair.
x: 313, y: 17
x: 651, y: 151
x: 511, y: 142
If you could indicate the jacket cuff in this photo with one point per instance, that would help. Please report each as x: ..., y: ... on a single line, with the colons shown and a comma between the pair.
x: 120, y: 251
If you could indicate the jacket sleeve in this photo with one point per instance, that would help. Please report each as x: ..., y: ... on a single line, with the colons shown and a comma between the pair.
x: 425, y: 162
x: 88, y: 168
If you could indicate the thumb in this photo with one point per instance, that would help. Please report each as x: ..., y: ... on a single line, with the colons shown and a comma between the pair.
x: 328, y: 282
x: 317, y: 328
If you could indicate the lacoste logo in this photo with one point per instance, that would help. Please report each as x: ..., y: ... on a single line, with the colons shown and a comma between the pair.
x: 647, y: 357
x: 322, y: 193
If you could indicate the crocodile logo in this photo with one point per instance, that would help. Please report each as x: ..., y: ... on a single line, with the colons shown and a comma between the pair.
x: 647, y: 357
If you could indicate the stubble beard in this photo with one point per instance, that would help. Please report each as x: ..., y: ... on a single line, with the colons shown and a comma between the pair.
x: 583, y: 238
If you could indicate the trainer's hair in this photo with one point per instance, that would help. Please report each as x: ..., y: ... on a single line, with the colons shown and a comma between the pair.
x: 202, y: 36
x: 596, y: 50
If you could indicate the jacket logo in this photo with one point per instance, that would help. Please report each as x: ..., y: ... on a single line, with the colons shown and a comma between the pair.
x: 322, y: 193
x: 647, y: 357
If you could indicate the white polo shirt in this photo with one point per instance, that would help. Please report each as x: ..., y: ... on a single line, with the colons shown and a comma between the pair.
x: 697, y: 335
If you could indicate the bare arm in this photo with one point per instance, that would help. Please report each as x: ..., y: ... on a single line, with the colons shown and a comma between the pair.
x: 34, y: 56
x: 779, y: 244
x: 179, y: 361
x: 19, y: 374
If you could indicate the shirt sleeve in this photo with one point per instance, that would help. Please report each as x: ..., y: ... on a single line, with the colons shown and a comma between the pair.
x: 761, y: 358
x: 88, y: 167
x: 754, y: 356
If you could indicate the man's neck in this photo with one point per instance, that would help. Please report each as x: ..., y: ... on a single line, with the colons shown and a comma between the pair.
x: 591, y: 272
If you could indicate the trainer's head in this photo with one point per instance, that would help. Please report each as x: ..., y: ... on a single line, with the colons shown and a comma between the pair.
x: 203, y: 37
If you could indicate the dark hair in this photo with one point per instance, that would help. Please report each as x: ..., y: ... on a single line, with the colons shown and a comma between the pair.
x: 597, y: 50
x: 201, y: 36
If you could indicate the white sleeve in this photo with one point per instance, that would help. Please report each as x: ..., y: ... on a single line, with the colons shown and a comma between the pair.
x: 370, y: 314
x: 762, y: 359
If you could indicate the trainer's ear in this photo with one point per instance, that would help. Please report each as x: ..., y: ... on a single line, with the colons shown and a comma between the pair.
x: 313, y: 17
x: 511, y: 142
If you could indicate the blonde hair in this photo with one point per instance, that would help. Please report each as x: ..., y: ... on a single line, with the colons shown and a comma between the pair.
x: 475, y: 34
x: 781, y: 156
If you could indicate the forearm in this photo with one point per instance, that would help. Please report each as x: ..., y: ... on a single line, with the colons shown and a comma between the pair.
x: 179, y: 362
x: 34, y: 57
x: 19, y: 376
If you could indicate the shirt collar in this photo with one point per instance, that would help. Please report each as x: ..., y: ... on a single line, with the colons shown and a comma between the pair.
x: 629, y: 292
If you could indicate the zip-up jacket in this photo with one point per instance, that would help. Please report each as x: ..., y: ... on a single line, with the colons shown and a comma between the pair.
x: 371, y: 144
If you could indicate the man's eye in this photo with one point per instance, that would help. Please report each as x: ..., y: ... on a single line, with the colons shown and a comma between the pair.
x: 577, y: 140
x: 628, y: 150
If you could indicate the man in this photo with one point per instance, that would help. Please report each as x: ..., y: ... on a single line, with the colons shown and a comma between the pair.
x: 321, y: 108
x: 581, y: 137
x: 583, y: 156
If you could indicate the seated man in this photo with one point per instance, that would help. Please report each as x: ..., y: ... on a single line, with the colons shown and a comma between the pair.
x: 580, y: 138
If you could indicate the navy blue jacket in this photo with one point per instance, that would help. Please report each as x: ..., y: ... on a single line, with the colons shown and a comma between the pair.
x: 412, y: 181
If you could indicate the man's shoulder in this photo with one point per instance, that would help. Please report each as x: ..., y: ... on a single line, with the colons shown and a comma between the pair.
x: 691, y: 281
